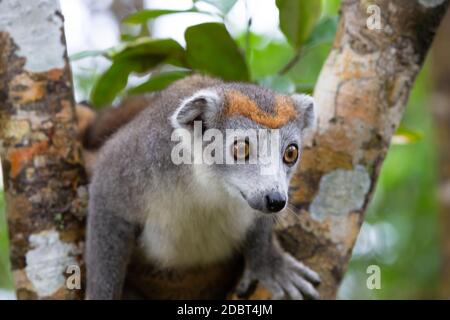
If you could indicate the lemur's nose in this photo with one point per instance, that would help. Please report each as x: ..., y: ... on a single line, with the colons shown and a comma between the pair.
x: 275, y: 202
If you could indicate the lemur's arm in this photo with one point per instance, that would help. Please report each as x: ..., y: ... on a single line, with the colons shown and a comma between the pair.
x: 278, y: 271
x: 110, y: 244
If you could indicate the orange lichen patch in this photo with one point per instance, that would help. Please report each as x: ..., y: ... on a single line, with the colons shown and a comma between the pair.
x: 23, y: 89
x: 356, y: 96
x: 353, y: 66
x: 20, y: 157
x: 26, y: 287
x: 55, y: 74
x: 302, y: 191
x: 339, y: 141
x: 324, y: 159
x: 240, y: 105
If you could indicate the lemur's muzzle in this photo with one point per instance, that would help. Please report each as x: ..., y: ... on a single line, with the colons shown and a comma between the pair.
x: 275, y: 202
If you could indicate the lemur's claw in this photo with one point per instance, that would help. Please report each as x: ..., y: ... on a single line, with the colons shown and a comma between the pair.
x: 291, y: 279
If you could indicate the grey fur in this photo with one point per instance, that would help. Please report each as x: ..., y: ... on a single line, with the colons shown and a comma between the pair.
x: 188, y: 215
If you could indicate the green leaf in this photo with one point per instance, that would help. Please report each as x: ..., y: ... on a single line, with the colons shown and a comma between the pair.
x: 110, y: 83
x: 267, y: 61
x: 138, y: 56
x: 115, y: 79
x: 158, y: 82
x: 307, y: 70
x: 298, y: 18
x: 210, y: 49
x: 223, y: 5
x: 330, y: 7
x: 266, y: 56
x: 143, y: 16
x: 148, y: 47
x: 324, y: 32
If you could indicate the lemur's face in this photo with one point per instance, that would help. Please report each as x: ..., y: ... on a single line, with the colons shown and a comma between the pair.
x: 264, y: 163
x: 251, y: 140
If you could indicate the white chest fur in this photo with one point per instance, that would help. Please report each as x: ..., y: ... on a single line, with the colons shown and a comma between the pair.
x: 194, y: 226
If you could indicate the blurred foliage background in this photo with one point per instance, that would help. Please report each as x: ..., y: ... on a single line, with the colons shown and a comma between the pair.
x: 400, y: 233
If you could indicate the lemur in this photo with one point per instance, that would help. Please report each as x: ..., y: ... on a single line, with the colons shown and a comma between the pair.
x: 177, y: 218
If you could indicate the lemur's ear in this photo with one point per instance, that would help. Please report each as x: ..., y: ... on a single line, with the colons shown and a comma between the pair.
x: 305, y: 107
x: 200, y: 106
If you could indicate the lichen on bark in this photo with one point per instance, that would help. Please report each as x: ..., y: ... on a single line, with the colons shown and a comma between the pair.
x: 44, y: 178
x: 361, y: 95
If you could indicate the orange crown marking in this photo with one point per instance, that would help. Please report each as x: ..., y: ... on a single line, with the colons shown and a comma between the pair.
x: 241, y: 105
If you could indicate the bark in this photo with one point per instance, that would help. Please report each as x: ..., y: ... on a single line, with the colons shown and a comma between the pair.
x: 361, y: 95
x: 43, y: 173
x: 441, y: 114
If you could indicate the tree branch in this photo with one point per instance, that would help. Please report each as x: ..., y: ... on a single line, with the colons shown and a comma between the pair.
x: 441, y: 115
x: 43, y: 172
x: 361, y: 95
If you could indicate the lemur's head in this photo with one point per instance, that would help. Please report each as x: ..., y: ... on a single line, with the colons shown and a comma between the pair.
x: 251, y: 139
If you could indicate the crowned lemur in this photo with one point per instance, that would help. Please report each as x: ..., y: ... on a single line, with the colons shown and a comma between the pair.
x: 181, y: 216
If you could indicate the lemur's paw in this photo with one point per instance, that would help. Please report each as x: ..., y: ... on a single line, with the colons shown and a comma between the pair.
x: 288, y: 279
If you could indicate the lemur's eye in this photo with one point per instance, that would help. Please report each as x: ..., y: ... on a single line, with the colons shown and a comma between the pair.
x: 241, y: 150
x: 290, y: 154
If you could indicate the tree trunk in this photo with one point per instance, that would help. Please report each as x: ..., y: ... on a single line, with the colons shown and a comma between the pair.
x: 441, y: 113
x: 361, y: 95
x: 43, y: 173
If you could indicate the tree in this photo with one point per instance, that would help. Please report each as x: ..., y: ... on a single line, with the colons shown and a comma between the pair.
x: 43, y: 171
x: 441, y: 114
x: 361, y: 95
